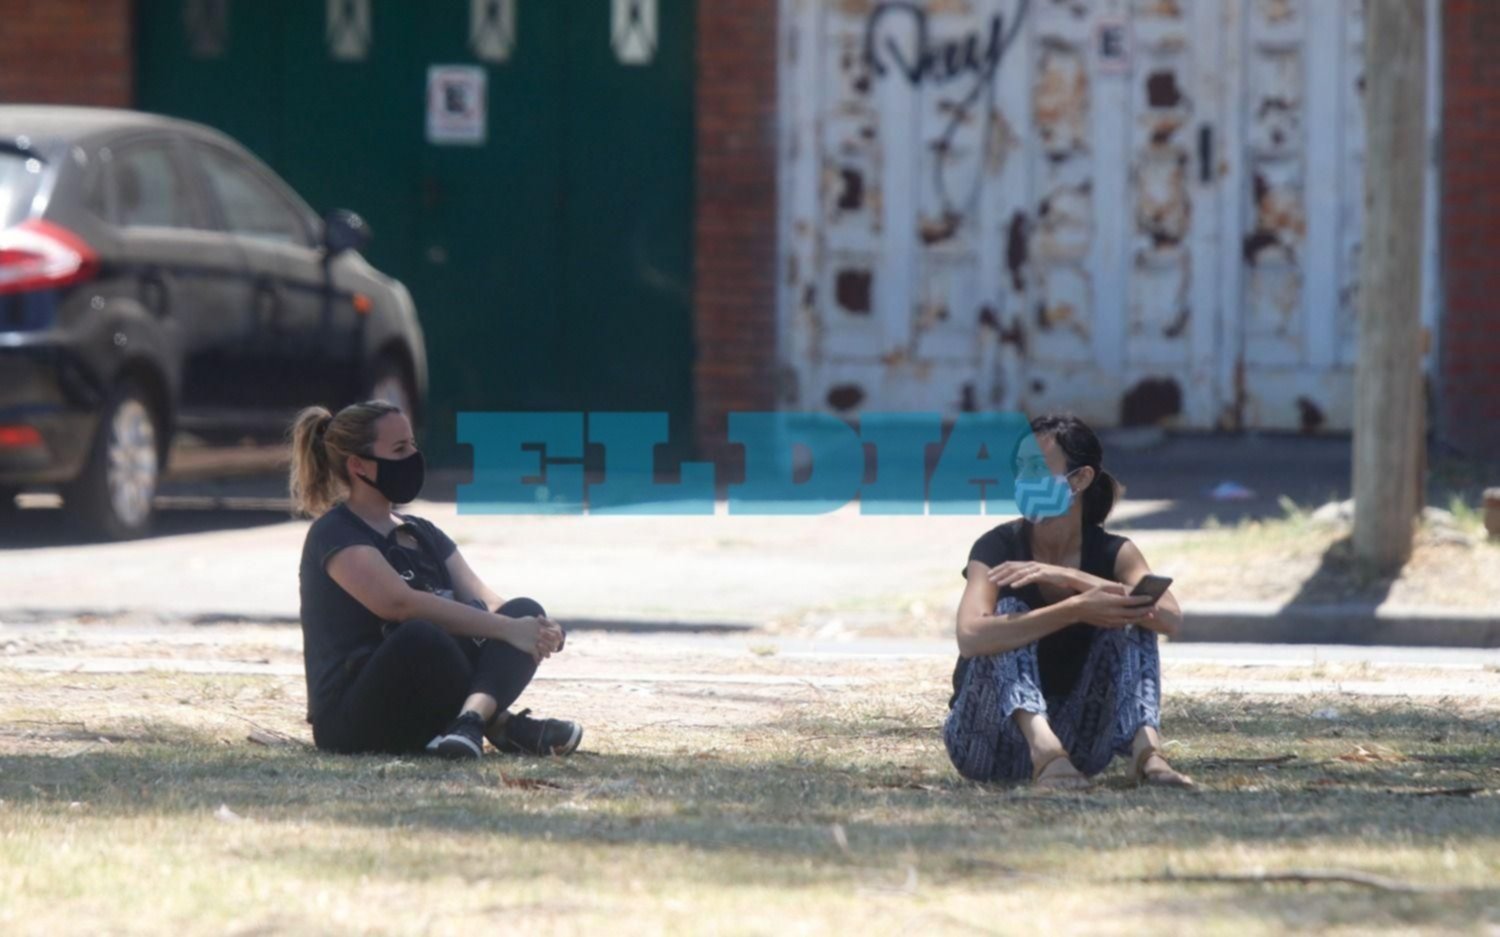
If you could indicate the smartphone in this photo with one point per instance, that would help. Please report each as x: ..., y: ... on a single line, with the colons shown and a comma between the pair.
x: 1151, y: 586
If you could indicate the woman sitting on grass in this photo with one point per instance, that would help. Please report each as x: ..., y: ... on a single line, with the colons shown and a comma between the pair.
x: 1058, y: 668
x: 406, y: 648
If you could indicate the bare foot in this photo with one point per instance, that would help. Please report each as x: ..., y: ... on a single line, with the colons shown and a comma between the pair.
x: 1058, y: 774
x: 1153, y: 770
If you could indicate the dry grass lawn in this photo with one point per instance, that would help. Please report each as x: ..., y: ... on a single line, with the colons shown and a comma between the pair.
x: 135, y: 803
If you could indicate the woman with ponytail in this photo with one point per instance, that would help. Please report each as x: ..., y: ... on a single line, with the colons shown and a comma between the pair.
x: 1058, y: 669
x: 406, y: 648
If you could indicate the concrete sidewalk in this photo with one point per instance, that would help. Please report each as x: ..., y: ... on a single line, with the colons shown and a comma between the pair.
x: 829, y: 574
x: 226, y: 551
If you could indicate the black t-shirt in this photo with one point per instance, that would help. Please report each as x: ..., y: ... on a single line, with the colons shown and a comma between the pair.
x: 1060, y: 655
x: 338, y: 633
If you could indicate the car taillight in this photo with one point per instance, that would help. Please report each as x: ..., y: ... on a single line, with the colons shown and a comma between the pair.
x: 41, y: 255
x: 19, y: 437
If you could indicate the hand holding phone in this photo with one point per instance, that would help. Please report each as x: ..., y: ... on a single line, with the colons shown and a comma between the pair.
x: 1151, y: 586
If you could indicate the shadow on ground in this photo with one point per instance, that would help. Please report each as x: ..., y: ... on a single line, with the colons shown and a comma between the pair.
x: 777, y: 792
x: 37, y: 527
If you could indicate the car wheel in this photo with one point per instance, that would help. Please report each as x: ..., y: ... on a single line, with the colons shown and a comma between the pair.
x: 391, y: 384
x: 112, y: 498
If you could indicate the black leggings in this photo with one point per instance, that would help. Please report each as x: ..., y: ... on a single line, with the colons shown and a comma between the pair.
x: 412, y: 686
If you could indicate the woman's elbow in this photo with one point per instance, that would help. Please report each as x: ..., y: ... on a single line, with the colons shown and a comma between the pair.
x: 968, y: 645
x: 398, y: 606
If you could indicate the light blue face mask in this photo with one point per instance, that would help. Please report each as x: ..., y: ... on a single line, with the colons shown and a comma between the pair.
x: 1048, y: 496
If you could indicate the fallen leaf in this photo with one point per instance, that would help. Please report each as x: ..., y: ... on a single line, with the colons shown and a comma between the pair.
x: 269, y: 739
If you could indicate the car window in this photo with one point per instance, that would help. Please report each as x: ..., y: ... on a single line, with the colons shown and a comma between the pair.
x: 251, y: 205
x: 150, y: 191
x: 20, y: 175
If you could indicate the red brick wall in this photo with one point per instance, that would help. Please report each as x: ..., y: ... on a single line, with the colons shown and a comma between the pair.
x: 1469, y: 369
x: 734, y: 302
x: 66, y: 52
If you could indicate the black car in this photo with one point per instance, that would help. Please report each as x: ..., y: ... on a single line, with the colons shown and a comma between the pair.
x: 160, y: 285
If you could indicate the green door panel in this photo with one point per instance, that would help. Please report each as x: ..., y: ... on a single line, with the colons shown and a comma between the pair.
x: 551, y: 264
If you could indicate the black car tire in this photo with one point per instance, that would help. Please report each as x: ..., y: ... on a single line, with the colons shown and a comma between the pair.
x: 111, y: 498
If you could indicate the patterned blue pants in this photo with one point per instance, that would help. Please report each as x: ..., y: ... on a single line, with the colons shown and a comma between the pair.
x: 1118, y: 692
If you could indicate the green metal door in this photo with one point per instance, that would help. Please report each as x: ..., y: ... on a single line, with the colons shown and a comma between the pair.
x: 551, y: 264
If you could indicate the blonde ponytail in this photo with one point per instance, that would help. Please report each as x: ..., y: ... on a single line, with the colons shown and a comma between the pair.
x: 311, y: 481
x: 321, y: 444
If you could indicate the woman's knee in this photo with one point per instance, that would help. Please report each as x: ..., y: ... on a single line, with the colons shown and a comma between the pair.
x: 521, y: 607
x: 1017, y: 658
x: 1016, y: 670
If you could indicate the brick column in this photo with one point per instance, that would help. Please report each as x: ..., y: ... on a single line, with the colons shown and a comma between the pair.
x: 67, y: 52
x: 734, y: 301
x: 1469, y: 365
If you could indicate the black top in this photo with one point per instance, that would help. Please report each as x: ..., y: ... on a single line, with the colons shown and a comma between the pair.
x: 338, y: 633
x: 1060, y: 655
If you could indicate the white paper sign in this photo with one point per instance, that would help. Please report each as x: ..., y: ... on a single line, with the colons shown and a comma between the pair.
x: 456, y: 104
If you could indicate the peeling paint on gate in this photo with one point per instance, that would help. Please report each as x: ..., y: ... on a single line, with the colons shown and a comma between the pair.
x: 1029, y: 230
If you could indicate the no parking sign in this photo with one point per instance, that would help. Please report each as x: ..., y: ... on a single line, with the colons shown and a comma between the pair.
x: 456, y: 104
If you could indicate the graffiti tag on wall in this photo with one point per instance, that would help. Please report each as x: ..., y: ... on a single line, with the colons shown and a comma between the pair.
x: 899, y: 38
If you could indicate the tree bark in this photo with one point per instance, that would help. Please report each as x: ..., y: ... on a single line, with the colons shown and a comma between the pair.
x: 1389, y: 418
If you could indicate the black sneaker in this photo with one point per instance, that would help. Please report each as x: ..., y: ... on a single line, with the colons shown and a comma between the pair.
x: 464, y: 738
x: 523, y: 735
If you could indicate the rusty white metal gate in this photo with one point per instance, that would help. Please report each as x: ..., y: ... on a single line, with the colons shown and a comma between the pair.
x: 1138, y: 210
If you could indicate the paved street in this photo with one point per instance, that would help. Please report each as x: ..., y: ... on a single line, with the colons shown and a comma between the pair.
x: 721, y: 569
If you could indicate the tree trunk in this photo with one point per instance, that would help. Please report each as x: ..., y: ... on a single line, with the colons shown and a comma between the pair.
x: 1389, y: 420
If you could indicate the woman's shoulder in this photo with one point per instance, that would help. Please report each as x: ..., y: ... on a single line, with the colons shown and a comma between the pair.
x: 1109, y: 538
x: 338, y: 517
x: 335, y: 527
x: 1006, y: 530
x: 1108, y: 543
x: 998, y: 542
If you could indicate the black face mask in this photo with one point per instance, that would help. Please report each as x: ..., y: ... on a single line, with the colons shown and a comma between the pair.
x: 400, y: 480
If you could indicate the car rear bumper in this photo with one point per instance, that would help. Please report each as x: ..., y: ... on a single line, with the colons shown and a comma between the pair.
x: 46, y: 389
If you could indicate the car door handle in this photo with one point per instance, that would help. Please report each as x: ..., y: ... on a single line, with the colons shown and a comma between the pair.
x: 267, y: 304
x: 154, y: 292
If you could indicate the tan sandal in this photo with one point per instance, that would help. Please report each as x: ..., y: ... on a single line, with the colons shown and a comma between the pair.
x: 1168, y: 777
x: 1059, y: 782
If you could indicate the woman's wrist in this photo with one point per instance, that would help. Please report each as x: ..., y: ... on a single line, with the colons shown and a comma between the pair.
x: 1083, y: 582
x: 505, y: 626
